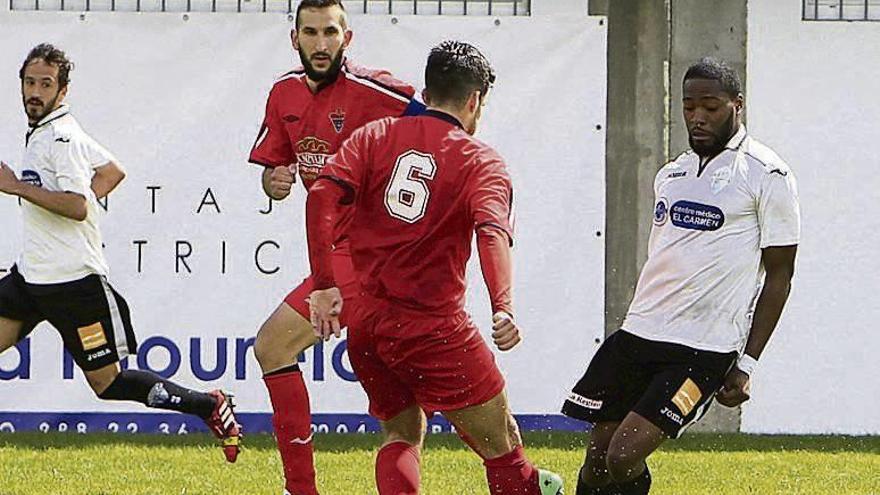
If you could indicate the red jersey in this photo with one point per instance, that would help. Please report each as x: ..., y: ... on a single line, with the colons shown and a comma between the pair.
x: 421, y: 186
x: 303, y: 128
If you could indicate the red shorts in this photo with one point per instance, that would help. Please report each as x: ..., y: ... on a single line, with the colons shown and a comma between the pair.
x: 403, y: 357
x: 346, y: 281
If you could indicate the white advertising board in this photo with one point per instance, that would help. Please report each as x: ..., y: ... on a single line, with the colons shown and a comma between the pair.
x: 202, y: 260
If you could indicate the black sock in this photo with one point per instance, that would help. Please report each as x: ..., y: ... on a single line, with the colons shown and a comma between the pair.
x: 154, y: 391
x: 641, y: 485
x: 584, y: 489
x: 286, y: 369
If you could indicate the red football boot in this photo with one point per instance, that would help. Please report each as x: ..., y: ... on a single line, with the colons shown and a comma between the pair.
x: 223, y: 425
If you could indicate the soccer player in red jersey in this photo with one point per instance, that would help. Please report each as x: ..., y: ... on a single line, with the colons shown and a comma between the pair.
x: 309, y: 113
x: 418, y: 188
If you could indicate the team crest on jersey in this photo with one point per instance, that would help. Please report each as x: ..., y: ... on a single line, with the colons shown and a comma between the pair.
x: 31, y: 177
x: 720, y: 179
x: 661, y: 212
x: 337, y: 118
x: 311, y: 154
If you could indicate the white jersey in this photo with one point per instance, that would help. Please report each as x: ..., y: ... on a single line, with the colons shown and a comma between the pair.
x: 60, y: 156
x: 704, y: 272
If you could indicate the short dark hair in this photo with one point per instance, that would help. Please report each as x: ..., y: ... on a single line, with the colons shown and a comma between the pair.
x: 52, y: 56
x: 716, y: 70
x: 456, y: 69
x: 316, y: 4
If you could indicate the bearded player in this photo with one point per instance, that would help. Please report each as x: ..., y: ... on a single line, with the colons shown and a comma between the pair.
x: 309, y: 113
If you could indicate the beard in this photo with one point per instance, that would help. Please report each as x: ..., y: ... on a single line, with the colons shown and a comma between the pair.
x: 39, y: 113
x: 718, y: 141
x: 327, y: 75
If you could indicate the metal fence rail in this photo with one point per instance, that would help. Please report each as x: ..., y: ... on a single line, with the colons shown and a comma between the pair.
x: 841, y: 10
x: 397, y: 7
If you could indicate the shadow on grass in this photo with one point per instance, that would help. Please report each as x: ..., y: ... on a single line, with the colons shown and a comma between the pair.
x: 696, y: 442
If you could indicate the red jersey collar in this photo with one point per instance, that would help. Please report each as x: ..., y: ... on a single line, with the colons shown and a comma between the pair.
x: 437, y: 114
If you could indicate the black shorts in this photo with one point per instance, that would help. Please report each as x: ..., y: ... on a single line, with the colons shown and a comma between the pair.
x: 670, y: 385
x: 93, y: 319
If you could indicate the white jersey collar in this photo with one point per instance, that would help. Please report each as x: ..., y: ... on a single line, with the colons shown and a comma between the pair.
x: 61, y: 111
x: 54, y: 115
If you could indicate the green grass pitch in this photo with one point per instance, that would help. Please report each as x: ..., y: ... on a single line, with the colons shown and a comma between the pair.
x: 69, y: 464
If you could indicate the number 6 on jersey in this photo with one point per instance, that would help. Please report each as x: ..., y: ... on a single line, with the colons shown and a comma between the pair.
x: 407, y: 195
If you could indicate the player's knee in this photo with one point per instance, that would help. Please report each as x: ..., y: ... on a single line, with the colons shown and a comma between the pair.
x: 496, y: 449
x: 412, y: 433
x: 411, y: 438
x: 492, y: 445
x: 278, y: 343
x: 596, y: 462
x: 9, y: 333
x: 415, y: 436
x: 408, y: 427
x: 100, y: 380
x: 271, y: 350
x: 622, y: 466
x: 6, y: 342
x: 513, y: 431
x: 595, y: 474
x: 263, y: 349
x: 302, y: 338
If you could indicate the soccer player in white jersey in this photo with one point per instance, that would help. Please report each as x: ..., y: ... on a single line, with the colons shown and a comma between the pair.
x: 720, y: 260
x: 61, y: 274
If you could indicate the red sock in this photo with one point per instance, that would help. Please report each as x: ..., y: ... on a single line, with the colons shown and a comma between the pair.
x: 397, y: 469
x: 292, y: 421
x: 512, y: 474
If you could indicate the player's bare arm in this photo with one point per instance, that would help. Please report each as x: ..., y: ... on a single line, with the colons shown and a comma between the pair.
x: 779, y: 264
x: 277, y: 182
x: 107, y: 177
x: 67, y: 204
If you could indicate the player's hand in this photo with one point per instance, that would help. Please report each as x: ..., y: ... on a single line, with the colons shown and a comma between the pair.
x: 325, y: 306
x: 735, y: 390
x: 280, y: 182
x: 505, y: 333
x: 8, y: 181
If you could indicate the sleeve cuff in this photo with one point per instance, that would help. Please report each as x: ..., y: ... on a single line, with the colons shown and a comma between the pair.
x: 263, y: 163
x: 506, y: 231
x: 100, y: 163
x: 793, y: 241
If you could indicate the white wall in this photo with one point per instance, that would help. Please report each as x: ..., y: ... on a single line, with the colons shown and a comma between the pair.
x: 570, y: 7
x: 812, y: 96
x: 180, y: 103
x: 398, y: 7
